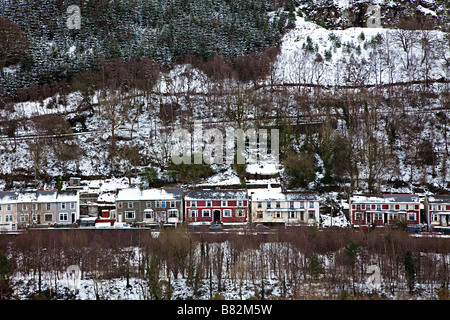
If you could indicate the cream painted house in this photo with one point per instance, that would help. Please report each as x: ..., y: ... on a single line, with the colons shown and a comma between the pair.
x: 8, y: 211
x: 271, y: 205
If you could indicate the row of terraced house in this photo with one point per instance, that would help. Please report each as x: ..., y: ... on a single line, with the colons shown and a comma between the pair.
x: 173, y: 206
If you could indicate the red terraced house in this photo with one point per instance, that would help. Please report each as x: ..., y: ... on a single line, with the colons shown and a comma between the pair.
x: 216, y: 206
x: 384, y: 209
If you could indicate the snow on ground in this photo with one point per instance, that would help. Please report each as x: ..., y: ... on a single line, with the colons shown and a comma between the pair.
x: 295, y: 65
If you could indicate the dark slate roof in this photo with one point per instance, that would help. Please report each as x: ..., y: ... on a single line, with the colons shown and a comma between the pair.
x: 439, y: 199
x: 293, y: 196
x: 216, y: 195
x: 6, y: 196
x: 402, y: 197
x: 177, y: 192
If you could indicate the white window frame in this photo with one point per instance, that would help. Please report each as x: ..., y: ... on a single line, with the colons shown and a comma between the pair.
x: 193, y: 213
x: 172, y: 213
x: 206, y: 213
x: 240, y: 213
x: 130, y: 212
x: 149, y: 214
x: 63, y: 216
x: 226, y: 213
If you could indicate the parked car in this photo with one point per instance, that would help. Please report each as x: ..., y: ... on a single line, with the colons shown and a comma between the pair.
x: 364, y: 227
x: 413, y: 228
x: 216, y: 226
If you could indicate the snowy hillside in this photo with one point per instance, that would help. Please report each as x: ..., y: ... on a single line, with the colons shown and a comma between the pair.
x: 382, y: 94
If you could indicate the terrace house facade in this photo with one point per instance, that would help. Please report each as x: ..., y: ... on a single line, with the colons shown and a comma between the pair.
x: 271, y: 205
x: 8, y: 211
x: 384, y: 209
x: 45, y: 208
x: 150, y: 206
x: 437, y: 210
x: 216, y: 206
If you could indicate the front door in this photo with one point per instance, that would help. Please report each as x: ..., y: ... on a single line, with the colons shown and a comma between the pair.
x: 216, y: 216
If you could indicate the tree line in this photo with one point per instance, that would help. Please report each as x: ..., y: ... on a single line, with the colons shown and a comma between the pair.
x: 335, y: 261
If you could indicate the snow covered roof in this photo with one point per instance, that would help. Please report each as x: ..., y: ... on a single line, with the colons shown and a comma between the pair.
x: 208, y: 194
x: 266, y: 194
x: 149, y: 194
x: 439, y: 199
x: 402, y: 198
x: 8, y: 197
x: 46, y: 196
x: 278, y: 195
x: 385, y: 198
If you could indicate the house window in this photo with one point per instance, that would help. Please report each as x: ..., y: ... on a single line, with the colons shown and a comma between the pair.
x: 72, y: 205
x: 259, y: 204
x: 148, y: 214
x: 240, y: 203
x: 48, y: 206
x: 48, y: 217
x: 24, y: 207
x: 378, y: 216
x: 240, y: 213
x: 227, y: 213
x: 292, y: 214
x: 163, y: 204
x: 206, y: 213
x: 172, y: 204
x: 411, y: 216
x: 379, y: 207
x: 119, y: 205
x: 311, y: 204
x: 302, y: 205
x: 173, y: 213
x: 278, y: 214
x: 193, y: 203
x: 8, y: 218
x: 358, y: 216
x: 24, y: 217
x: 277, y: 204
x: 434, y: 217
x: 209, y: 203
x: 63, y: 216
x: 148, y: 204
x: 311, y: 214
x: 402, y: 207
x: 129, y: 214
x: 63, y: 206
x: 8, y: 207
x: 0, y: 207
x: 259, y: 214
x: 224, y: 203
x: 268, y: 204
x: 358, y: 207
x: 193, y: 213
x: 130, y: 205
